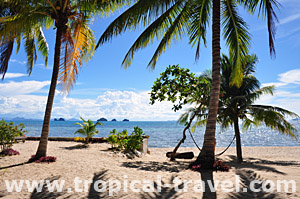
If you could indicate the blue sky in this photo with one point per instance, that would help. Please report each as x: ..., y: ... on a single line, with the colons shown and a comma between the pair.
x: 105, y: 89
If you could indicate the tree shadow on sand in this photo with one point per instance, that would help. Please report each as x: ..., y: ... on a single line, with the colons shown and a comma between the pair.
x: 43, y: 192
x: 14, y: 165
x: 157, y: 166
x: 97, y: 194
x: 78, y: 146
x: 257, y: 191
x: 164, y: 190
x: 261, y: 165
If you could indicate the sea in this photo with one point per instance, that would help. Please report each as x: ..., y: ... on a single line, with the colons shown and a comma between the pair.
x: 168, y: 133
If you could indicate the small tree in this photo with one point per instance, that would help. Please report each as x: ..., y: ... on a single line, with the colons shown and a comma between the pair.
x: 88, y: 129
x: 8, y: 133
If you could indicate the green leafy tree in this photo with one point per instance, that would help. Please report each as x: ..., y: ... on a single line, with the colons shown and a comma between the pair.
x: 181, y: 87
x: 74, y: 40
x: 169, y: 20
x: 88, y: 129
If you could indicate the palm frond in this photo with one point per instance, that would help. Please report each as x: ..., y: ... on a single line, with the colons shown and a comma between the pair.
x: 76, y: 45
x: 237, y: 38
x: 274, y: 117
x: 5, y: 53
x: 42, y: 44
x: 142, y: 12
x: 30, y: 50
x: 174, y: 31
x: 200, y: 15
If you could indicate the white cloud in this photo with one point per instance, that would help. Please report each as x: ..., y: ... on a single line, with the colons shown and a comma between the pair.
x: 289, y: 19
x: 111, y: 104
x: 290, y: 77
x: 20, y: 88
x: 17, y: 61
x: 14, y: 75
x: 285, y: 95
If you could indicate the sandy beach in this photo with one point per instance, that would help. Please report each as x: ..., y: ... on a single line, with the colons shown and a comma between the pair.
x: 99, y: 166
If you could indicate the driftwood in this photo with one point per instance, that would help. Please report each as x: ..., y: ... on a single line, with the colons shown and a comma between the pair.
x: 186, y: 155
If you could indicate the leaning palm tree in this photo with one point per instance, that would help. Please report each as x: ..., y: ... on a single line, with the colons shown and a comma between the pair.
x: 169, y: 20
x: 238, y: 103
x: 74, y: 41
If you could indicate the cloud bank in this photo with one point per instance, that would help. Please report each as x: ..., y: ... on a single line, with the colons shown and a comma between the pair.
x: 27, y: 99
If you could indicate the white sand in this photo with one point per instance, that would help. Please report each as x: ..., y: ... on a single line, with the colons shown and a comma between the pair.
x: 98, y: 163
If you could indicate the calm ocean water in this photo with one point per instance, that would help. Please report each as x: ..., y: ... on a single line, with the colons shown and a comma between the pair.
x: 168, y: 133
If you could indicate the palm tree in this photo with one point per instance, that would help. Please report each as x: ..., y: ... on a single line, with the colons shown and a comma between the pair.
x: 169, y: 20
x: 31, y: 35
x: 237, y: 103
x: 88, y: 129
x: 74, y: 41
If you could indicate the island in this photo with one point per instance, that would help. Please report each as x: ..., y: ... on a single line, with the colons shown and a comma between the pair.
x: 60, y: 119
x: 113, y: 120
x: 126, y: 120
x: 102, y: 119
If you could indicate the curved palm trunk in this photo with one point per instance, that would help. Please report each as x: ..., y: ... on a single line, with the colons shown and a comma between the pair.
x: 207, y: 156
x: 42, y: 148
x: 238, y: 141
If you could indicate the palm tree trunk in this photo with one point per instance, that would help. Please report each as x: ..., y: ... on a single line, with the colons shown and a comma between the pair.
x: 207, y: 155
x: 238, y: 141
x: 42, y: 148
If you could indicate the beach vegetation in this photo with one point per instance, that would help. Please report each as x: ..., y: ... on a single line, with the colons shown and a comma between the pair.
x: 88, y: 129
x: 169, y: 21
x: 123, y: 141
x: 8, y: 132
x: 9, y: 152
x: 44, y: 159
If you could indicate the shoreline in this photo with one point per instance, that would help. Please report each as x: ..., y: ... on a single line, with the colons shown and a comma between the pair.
x: 271, y: 163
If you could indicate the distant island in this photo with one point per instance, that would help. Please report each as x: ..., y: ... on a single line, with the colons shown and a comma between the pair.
x: 126, y: 120
x: 113, y: 120
x: 60, y: 119
x: 102, y: 119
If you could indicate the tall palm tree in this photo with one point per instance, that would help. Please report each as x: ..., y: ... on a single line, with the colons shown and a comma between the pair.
x: 238, y: 103
x: 169, y: 20
x: 74, y: 41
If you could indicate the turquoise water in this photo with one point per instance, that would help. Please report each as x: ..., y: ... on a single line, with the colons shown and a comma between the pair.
x: 168, y: 133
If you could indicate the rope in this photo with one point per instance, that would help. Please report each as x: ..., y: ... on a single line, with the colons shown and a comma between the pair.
x: 217, y: 154
x: 227, y: 147
x: 194, y: 140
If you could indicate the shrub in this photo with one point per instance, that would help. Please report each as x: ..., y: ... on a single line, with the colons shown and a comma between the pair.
x: 9, y: 152
x: 123, y: 141
x: 134, y: 141
x: 112, y: 138
x: 44, y: 159
x: 220, y: 166
x: 8, y: 132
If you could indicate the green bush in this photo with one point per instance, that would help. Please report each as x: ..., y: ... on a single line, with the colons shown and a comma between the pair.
x: 123, y: 141
x: 134, y: 141
x: 112, y: 138
x: 8, y: 132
